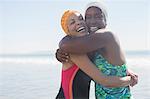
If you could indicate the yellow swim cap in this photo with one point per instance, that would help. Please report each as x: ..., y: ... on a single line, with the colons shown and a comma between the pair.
x: 64, y: 19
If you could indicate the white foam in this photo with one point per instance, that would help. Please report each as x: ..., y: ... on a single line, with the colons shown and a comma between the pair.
x: 138, y: 61
x: 30, y: 60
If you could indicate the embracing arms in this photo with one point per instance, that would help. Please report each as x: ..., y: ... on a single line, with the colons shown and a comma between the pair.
x: 85, y: 44
x: 83, y: 62
x: 82, y: 45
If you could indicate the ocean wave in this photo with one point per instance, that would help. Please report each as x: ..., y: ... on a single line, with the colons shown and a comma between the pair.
x: 138, y: 61
x: 29, y: 60
x: 52, y: 60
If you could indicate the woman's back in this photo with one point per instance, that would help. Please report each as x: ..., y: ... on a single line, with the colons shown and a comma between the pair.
x: 106, y: 68
x: 112, y: 51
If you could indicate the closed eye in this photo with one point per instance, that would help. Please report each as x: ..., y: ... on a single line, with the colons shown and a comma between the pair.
x: 72, y: 21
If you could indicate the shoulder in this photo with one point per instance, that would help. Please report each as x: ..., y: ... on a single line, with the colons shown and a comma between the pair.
x: 105, y: 33
x: 64, y: 39
x: 67, y: 37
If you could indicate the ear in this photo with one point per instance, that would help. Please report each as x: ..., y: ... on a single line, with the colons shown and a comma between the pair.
x: 105, y: 22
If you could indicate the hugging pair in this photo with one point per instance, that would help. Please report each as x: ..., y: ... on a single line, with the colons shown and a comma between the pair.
x: 90, y: 51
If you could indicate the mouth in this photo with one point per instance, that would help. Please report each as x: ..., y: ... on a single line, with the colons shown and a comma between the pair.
x: 93, y: 29
x: 81, y: 29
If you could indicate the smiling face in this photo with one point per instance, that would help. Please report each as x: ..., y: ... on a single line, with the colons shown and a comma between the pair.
x: 76, y: 25
x: 95, y: 19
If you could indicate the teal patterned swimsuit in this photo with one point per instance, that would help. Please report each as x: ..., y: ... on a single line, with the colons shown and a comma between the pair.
x: 102, y: 92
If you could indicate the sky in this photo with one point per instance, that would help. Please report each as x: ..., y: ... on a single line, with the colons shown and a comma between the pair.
x: 29, y: 26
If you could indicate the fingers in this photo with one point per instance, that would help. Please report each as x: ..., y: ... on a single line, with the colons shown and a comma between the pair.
x: 61, y: 56
x: 136, y: 75
x: 58, y: 58
x: 63, y: 59
x: 134, y: 80
x: 61, y: 52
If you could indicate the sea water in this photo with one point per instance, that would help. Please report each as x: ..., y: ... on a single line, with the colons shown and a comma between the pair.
x: 39, y: 76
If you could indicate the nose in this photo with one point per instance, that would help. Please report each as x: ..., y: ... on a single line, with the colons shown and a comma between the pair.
x: 79, y: 22
x: 92, y: 21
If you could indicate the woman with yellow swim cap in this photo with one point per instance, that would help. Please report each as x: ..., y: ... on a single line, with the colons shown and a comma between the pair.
x: 73, y: 25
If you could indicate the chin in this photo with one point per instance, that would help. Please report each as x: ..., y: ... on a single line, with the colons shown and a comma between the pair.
x: 82, y: 34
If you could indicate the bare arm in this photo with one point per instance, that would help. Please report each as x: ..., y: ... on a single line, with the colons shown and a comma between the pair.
x: 83, y: 62
x: 85, y: 44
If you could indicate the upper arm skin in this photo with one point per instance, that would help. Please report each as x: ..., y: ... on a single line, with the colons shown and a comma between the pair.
x: 83, y: 62
x: 85, y: 44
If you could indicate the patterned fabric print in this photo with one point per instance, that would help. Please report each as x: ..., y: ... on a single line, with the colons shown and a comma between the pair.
x: 102, y: 92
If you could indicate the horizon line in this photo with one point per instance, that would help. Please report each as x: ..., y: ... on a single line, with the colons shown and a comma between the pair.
x: 45, y: 52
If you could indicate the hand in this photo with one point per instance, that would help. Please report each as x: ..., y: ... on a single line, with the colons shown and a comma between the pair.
x: 134, y: 81
x: 134, y: 77
x: 61, y: 56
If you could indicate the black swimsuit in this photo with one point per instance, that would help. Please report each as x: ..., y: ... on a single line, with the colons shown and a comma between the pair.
x: 80, y: 87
